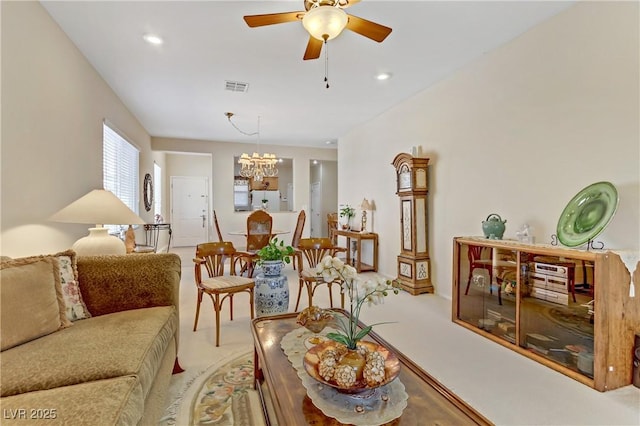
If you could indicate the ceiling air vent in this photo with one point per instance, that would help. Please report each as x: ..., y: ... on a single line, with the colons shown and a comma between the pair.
x: 236, y: 86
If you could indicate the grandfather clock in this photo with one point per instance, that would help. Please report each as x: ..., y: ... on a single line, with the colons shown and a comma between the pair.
x: 414, y: 268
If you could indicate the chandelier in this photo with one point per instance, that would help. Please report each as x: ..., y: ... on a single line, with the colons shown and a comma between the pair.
x: 257, y: 166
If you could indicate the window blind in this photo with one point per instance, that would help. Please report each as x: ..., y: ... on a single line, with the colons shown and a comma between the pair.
x: 120, y: 169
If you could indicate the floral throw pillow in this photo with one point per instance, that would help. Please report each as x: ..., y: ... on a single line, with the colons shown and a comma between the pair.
x: 75, y: 307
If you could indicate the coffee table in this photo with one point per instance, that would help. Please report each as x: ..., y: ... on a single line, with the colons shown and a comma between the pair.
x: 285, y: 401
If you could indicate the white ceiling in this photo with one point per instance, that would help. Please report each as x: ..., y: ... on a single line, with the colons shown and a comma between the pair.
x: 178, y: 89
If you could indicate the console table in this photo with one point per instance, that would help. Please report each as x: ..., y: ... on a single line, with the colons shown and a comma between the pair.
x: 152, y: 234
x: 429, y: 401
x: 358, y: 237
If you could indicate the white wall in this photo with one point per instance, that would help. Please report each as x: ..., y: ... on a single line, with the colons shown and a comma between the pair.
x: 53, y: 107
x: 518, y: 132
x: 222, y: 154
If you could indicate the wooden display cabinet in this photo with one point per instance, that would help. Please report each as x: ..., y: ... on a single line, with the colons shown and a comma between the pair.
x: 267, y: 183
x: 568, y: 309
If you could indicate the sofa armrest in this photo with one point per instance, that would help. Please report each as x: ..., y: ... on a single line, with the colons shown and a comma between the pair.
x: 118, y: 283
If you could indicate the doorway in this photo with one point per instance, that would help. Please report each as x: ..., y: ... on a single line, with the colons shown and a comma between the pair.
x: 189, y: 207
x: 323, y: 195
x: 315, y: 219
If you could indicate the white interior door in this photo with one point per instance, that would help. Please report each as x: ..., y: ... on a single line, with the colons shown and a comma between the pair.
x: 189, y: 207
x: 316, y: 210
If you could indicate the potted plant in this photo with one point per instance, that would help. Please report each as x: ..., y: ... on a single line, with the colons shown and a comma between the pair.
x: 275, y: 251
x: 272, y: 290
x: 347, y: 213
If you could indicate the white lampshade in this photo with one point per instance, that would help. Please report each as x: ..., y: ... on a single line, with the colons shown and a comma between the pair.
x: 100, y: 207
x: 365, y: 205
x: 325, y: 22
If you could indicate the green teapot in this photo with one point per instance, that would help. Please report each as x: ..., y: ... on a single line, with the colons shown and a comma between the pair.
x: 493, y: 227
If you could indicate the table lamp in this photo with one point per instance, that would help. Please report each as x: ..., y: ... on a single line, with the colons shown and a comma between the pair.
x: 100, y: 207
x: 364, y: 207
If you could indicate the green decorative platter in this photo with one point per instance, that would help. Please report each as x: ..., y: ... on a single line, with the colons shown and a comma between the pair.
x: 587, y: 214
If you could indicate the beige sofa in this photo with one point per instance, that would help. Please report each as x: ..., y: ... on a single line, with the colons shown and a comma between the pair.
x: 113, y: 368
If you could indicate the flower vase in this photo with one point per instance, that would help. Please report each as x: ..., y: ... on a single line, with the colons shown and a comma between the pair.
x: 345, y: 223
x: 271, y: 290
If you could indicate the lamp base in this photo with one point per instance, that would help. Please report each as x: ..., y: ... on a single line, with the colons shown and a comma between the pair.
x: 99, y: 242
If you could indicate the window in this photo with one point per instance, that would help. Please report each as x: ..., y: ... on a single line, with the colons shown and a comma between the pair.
x: 157, y: 189
x: 120, y: 169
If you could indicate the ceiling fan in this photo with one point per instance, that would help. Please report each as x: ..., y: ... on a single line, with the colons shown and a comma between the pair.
x: 324, y: 20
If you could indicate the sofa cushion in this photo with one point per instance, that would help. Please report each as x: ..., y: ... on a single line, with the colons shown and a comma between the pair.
x: 116, y: 401
x: 31, y: 302
x: 123, y: 343
x: 75, y: 307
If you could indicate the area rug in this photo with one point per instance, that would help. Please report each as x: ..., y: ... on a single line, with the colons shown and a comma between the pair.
x: 221, y: 395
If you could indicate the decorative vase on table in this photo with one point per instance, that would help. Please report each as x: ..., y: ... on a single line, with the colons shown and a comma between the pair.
x: 272, y: 289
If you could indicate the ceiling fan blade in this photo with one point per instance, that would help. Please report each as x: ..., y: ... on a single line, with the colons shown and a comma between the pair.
x: 314, y: 47
x: 368, y: 29
x: 272, y: 18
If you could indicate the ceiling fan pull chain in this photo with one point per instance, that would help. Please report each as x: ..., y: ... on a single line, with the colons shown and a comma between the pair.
x: 326, y: 63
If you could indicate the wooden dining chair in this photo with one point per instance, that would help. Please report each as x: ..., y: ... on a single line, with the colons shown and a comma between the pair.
x: 476, y: 260
x: 215, y: 221
x: 313, y: 250
x: 259, y: 227
x: 332, y: 224
x: 218, y: 286
x: 297, y: 234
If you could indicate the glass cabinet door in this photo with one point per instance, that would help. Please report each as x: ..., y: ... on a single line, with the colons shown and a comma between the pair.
x: 487, y: 289
x: 556, y: 310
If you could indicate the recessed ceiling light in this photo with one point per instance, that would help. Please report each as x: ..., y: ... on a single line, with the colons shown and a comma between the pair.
x: 153, y: 39
x: 329, y: 142
x: 383, y: 76
x: 315, y: 162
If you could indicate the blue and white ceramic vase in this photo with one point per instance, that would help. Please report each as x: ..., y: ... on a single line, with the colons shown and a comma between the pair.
x: 272, y: 289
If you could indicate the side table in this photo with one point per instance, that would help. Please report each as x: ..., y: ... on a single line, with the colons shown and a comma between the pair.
x: 152, y: 234
x: 358, y: 237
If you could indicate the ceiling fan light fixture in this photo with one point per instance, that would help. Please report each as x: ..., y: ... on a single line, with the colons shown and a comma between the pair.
x: 325, y: 22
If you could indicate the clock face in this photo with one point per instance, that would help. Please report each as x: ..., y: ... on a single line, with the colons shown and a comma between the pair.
x: 404, y: 180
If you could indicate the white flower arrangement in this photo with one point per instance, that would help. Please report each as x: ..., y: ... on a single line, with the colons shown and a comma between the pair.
x: 359, y: 290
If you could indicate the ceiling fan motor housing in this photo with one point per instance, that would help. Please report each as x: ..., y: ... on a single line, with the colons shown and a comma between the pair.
x: 325, y: 22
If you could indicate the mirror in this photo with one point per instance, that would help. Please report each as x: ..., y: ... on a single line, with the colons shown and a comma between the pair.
x: 147, y: 192
x: 275, y: 194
